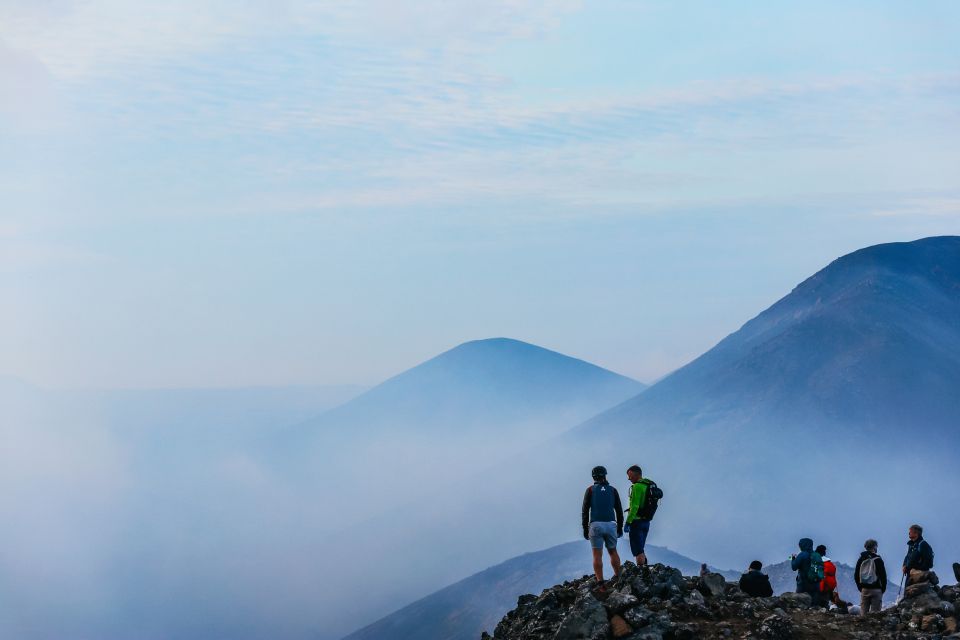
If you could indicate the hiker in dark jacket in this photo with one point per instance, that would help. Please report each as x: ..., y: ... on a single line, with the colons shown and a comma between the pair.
x: 754, y: 583
x: 602, y: 518
x: 919, y: 553
x: 801, y: 563
x: 871, y: 578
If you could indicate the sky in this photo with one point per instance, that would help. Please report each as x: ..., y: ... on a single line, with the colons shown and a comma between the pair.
x: 270, y: 193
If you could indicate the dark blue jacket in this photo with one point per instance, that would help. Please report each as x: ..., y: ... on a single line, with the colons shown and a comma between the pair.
x: 601, y: 503
x: 919, y: 555
x: 801, y: 564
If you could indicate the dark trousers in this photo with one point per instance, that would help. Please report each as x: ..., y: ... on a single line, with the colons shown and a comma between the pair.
x: 638, y: 536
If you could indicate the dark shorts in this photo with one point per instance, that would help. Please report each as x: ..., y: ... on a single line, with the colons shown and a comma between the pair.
x: 638, y: 536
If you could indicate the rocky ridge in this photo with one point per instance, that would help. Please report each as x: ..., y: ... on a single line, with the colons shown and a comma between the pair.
x: 659, y: 603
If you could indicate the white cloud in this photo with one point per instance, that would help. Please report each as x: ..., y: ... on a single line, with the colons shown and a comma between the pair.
x: 80, y: 38
x: 936, y: 207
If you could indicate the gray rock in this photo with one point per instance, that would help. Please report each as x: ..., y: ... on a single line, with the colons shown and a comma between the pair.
x: 586, y: 620
x: 620, y: 600
x: 712, y: 585
x: 796, y: 600
x: 776, y: 628
x: 695, y: 599
x: 639, y: 617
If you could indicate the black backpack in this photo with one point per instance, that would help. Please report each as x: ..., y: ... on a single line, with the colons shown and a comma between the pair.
x: 654, y: 494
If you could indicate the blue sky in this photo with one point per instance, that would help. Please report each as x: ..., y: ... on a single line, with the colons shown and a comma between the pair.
x: 206, y: 194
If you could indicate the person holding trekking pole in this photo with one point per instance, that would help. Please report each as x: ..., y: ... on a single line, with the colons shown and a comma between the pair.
x: 919, y: 558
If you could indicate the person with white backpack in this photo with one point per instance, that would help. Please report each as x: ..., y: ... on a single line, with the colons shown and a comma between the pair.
x: 871, y: 578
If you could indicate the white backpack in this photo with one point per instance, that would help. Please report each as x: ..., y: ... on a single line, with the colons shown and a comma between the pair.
x: 868, y: 570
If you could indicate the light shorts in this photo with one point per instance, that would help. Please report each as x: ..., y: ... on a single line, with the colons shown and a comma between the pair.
x: 603, y: 534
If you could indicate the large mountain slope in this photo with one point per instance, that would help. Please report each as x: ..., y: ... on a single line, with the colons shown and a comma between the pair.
x: 463, y: 610
x: 871, y: 342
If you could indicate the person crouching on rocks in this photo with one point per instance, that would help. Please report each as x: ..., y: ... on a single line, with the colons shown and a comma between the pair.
x: 871, y: 578
x: 828, y: 585
x: 755, y: 583
x: 919, y: 559
x: 602, y: 517
x: 809, y: 567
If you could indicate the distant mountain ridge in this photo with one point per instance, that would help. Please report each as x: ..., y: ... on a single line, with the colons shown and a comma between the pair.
x: 464, y: 609
x: 484, y: 382
x: 462, y: 410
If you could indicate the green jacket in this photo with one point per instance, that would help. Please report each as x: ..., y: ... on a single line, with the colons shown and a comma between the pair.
x: 638, y: 497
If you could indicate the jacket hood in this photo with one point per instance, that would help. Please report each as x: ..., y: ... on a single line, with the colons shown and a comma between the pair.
x: 806, y: 544
x: 826, y: 559
x: 865, y: 554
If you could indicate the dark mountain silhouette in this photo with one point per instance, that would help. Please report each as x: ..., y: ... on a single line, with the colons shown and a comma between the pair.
x: 872, y: 341
x: 463, y: 610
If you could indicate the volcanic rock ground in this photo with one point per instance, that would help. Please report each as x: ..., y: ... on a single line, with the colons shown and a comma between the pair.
x: 659, y: 603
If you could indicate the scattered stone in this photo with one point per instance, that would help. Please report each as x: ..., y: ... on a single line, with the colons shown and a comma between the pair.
x: 587, y: 620
x: 776, y: 627
x: 619, y: 601
x: 657, y: 603
x: 796, y: 600
x: 619, y: 627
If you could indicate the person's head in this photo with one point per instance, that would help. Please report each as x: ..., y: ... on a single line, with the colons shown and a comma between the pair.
x: 756, y: 565
x: 599, y: 473
x: 634, y: 473
x: 916, y: 532
x: 821, y: 549
x: 870, y: 545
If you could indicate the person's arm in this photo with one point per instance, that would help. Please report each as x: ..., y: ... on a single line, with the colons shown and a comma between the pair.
x: 585, y: 513
x: 638, y: 494
x: 881, y: 574
x: 618, y: 507
x: 743, y: 584
x: 856, y: 573
x: 795, y: 562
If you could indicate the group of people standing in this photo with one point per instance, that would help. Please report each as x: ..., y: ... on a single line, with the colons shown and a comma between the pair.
x: 817, y: 574
x: 604, y: 521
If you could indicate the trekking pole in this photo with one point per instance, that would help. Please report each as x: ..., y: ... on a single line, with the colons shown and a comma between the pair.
x: 900, y: 590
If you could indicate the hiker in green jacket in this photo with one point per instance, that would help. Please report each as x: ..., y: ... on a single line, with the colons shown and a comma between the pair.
x: 637, y: 525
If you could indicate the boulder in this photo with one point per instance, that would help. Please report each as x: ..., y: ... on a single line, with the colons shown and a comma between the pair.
x: 620, y: 600
x: 586, y: 620
x: 776, y: 627
x: 950, y: 625
x: 619, y: 627
x: 792, y: 600
x: 639, y: 617
x: 712, y: 585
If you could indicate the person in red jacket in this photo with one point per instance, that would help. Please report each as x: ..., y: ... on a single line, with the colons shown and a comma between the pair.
x: 829, y: 583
